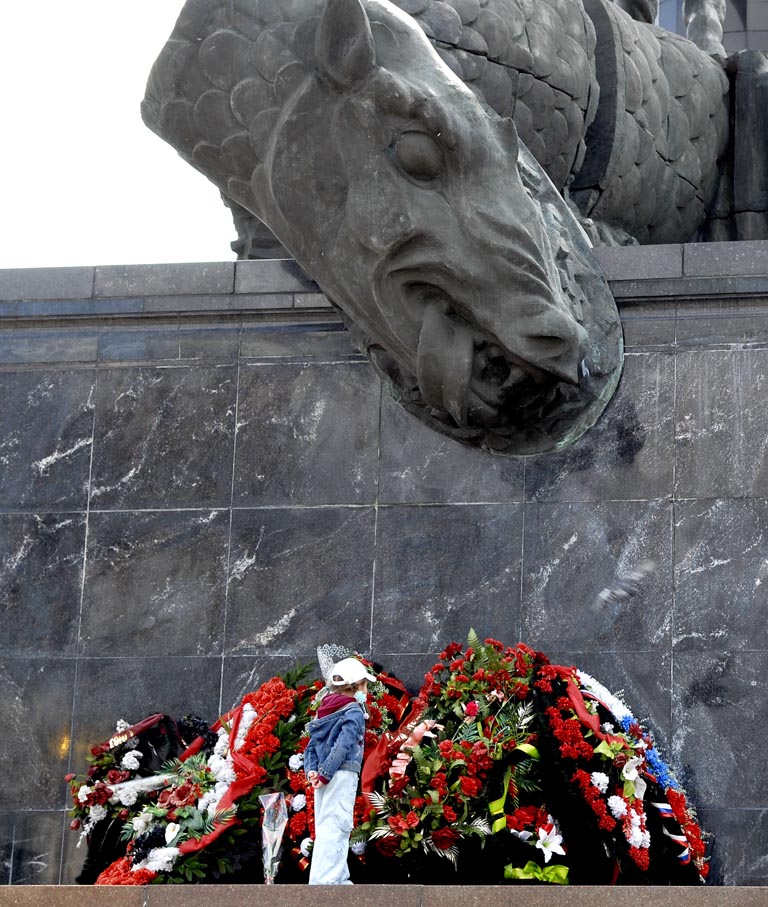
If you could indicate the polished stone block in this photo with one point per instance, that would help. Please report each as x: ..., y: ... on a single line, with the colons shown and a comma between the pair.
x: 163, y: 574
x: 740, y: 846
x: 648, y: 325
x: 721, y: 597
x: 41, y: 574
x: 299, y: 578
x: 417, y: 465
x: 721, y: 424
x: 316, y: 345
x: 277, y: 275
x: 572, y: 552
x: 46, y: 430
x: 6, y: 846
x: 45, y: 283
x: 164, y: 437
x: 37, y: 848
x: 48, y: 345
x: 633, y: 262
x: 140, y: 344
x: 720, y: 706
x: 131, y: 686
x: 722, y: 322
x: 628, y: 454
x: 36, y: 713
x: 306, y: 435
x: 442, y: 570
x: 408, y: 668
x: 718, y: 258
x: 164, y: 279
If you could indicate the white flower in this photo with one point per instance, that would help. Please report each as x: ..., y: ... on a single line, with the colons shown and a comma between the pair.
x: 127, y: 796
x: 82, y: 794
x: 550, y: 842
x: 305, y: 847
x: 608, y: 728
x: 358, y: 847
x: 161, y: 859
x: 617, y: 807
x: 98, y: 812
x: 122, y: 725
x: 298, y: 803
x: 296, y: 762
x: 247, y: 717
x: 141, y: 822
x: 130, y: 761
x: 629, y: 772
x: 605, y: 696
x: 600, y: 781
x: 523, y: 835
x: 171, y: 830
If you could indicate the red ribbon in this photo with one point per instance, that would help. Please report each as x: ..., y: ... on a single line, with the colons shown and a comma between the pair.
x: 584, y: 715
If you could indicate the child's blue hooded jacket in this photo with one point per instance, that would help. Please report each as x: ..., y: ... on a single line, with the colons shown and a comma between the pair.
x: 336, y: 742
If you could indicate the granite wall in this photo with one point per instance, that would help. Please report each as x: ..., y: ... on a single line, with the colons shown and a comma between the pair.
x: 200, y: 480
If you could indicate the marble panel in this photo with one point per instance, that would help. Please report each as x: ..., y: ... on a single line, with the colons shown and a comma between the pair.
x: 740, y: 847
x: 36, y: 711
x: 719, y: 709
x: 46, y: 432
x: 205, y: 342
x: 131, y: 344
x: 41, y: 564
x: 133, y: 686
x: 572, y: 552
x: 6, y: 846
x: 322, y: 346
x: 721, y: 322
x: 721, y: 424
x: 642, y: 679
x: 721, y: 575
x: 418, y: 465
x: 156, y: 582
x: 441, y: 571
x: 242, y: 674
x: 648, y: 325
x: 164, y: 437
x: 410, y: 668
x: 306, y: 434
x: 299, y: 578
x: 628, y: 454
x: 48, y: 345
x: 37, y: 848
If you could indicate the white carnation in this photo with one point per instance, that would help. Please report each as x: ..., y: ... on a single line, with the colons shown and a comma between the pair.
x: 98, y: 812
x: 161, y: 859
x: 600, y: 781
x: 617, y: 807
x: 247, y: 717
x: 638, y: 838
x: 127, y: 796
x: 358, y: 847
x: 122, y: 725
x: 296, y: 762
x: 130, y: 761
x: 298, y: 803
x: 82, y: 794
x: 305, y: 847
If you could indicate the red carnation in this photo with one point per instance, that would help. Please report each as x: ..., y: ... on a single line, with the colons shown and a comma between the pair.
x: 450, y: 813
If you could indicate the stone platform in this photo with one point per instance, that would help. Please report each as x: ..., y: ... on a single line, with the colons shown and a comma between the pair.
x: 200, y: 480
x: 380, y: 896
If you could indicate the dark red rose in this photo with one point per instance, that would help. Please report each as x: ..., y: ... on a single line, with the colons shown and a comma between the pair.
x: 444, y: 838
x: 115, y: 776
x: 470, y: 787
x: 97, y: 751
x: 449, y: 813
x: 387, y: 846
x: 412, y: 819
x: 93, y: 771
x: 74, y: 824
x: 123, y: 814
x: 69, y: 776
x: 620, y: 760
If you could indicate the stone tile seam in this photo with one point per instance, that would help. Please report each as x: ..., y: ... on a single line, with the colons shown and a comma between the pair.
x: 376, y: 517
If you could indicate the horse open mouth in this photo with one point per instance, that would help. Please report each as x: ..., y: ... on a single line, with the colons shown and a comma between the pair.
x: 465, y: 373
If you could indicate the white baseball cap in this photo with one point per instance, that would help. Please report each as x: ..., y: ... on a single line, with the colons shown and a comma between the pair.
x: 349, y: 670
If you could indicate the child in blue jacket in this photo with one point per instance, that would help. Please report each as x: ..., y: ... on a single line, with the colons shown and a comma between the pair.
x: 332, y: 761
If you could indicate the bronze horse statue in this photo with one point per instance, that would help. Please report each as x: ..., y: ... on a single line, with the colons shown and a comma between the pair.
x: 433, y: 165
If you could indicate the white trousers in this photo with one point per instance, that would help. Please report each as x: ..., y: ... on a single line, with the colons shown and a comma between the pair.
x: 334, y: 807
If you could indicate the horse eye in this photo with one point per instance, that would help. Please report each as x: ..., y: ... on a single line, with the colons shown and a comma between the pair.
x: 419, y: 155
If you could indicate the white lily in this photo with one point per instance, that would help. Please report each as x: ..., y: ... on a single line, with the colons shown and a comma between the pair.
x: 171, y: 830
x: 550, y: 842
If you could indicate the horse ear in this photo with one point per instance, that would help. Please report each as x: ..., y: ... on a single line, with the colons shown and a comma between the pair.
x: 344, y: 44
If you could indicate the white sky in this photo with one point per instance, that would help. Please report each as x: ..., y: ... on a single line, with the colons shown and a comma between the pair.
x: 82, y: 180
